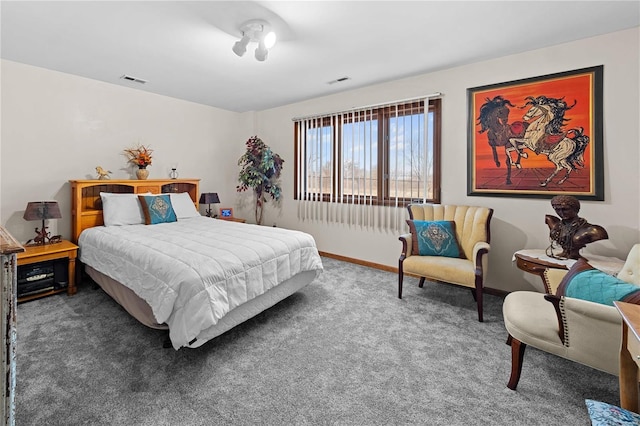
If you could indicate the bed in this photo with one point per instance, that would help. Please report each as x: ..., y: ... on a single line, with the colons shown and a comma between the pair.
x: 195, y: 276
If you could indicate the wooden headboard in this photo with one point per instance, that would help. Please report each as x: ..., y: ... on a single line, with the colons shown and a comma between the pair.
x: 86, y: 204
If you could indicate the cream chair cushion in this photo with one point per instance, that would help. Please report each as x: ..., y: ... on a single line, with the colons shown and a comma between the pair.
x: 448, y: 269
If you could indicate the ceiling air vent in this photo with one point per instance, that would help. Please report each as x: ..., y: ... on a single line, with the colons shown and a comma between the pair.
x: 133, y: 79
x: 339, y: 80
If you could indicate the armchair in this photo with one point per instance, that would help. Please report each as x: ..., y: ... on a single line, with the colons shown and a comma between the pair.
x: 585, y: 332
x: 472, y: 234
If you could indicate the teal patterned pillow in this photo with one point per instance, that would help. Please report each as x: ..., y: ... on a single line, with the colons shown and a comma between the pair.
x: 157, y: 209
x: 603, y: 414
x: 434, y: 238
x: 597, y: 286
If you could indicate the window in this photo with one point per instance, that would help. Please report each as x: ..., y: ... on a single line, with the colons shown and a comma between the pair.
x: 384, y: 155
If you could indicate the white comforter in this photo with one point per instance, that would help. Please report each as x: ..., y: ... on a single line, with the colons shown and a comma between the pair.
x: 192, y: 272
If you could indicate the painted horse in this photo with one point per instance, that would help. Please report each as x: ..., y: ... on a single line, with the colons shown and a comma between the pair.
x: 494, y: 120
x: 544, y: 135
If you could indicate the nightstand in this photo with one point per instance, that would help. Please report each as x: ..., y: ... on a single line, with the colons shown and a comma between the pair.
x: 47, y: 269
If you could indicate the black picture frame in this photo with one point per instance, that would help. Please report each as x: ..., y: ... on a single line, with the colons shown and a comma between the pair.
x: 558, y: 127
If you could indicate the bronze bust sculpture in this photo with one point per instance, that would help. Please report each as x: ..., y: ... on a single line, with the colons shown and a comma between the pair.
x: 569, y: 231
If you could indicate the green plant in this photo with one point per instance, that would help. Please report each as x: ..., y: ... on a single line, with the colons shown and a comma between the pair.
x: 261, y: 169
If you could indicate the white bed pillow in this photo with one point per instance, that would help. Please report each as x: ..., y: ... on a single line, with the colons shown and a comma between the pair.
x: 183, y: 205
x: 121, y: 209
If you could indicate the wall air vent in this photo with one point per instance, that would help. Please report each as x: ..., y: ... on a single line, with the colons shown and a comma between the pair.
x: 133, y: 79
x: 339, y: 80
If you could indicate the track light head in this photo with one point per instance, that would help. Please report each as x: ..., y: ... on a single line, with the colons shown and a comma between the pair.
x: 261, y: 52
x: 257, y: 31
x: 240, y: 47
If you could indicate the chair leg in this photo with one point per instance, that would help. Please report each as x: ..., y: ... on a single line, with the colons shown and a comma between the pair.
x: 517, y: 355
x: 421, y: 283
x: 478, y: 298
x: 400, y: 279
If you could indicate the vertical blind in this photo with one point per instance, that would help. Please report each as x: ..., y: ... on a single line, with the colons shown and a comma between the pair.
x: 359, y: 167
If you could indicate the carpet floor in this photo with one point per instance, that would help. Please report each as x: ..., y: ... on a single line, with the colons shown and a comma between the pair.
x: 342, y: 351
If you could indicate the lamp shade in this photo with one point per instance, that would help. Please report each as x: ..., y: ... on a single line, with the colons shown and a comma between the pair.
x: 41, y: 210
x: 209, y: 198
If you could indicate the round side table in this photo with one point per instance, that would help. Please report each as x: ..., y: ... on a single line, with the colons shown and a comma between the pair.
x: 535, y: 261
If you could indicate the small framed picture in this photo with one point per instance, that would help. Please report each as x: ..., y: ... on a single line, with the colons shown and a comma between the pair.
x: 226, y: 212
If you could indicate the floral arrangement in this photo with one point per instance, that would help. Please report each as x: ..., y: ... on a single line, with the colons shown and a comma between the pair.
x: 140, y: 156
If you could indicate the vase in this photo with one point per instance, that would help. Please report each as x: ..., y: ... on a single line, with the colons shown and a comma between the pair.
x: 142, y: 173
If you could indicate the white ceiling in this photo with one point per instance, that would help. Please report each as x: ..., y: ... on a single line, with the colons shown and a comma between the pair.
x: 183, y: 48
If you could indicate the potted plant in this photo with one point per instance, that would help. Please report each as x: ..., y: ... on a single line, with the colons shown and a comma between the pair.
x: 260, y: 171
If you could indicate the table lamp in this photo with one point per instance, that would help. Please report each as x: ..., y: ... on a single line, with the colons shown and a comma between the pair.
x: 42, y: 210
x: 209, y: 198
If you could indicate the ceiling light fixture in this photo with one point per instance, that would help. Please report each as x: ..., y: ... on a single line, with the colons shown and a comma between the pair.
x: 255, y: 30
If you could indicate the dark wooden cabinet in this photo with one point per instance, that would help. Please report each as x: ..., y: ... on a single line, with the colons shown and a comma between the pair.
x: 46, y: 269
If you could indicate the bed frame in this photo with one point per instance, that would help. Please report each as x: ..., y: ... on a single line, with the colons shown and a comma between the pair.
x: 86, y: 204
x: 86, y: 212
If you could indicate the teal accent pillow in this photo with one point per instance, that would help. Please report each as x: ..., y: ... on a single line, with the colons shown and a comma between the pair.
x: 603, y: 414
x: 157, y: 209
x: 434, y: 238
x: 587, y: 283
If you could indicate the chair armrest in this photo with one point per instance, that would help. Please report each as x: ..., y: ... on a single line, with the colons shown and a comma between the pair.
x: 580, y: 319
x: 406, y: 244
x: 558, y: 305
x: 591, y: 332
x: 480, y: 249
x: 596, y: 311
x: 595, y: 334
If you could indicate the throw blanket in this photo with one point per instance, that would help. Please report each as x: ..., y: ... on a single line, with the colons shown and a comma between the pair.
x: 192, y: 272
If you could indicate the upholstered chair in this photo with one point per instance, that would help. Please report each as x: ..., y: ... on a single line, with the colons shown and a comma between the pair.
x: 579, y: 330
x: 468, y: 269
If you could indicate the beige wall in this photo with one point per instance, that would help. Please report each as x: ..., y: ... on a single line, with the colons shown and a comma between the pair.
x: 517, y: 222
x: 57, y: 127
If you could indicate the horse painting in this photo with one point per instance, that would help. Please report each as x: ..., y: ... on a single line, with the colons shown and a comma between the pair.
x: 494, y: 120
x: 544, y: 135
